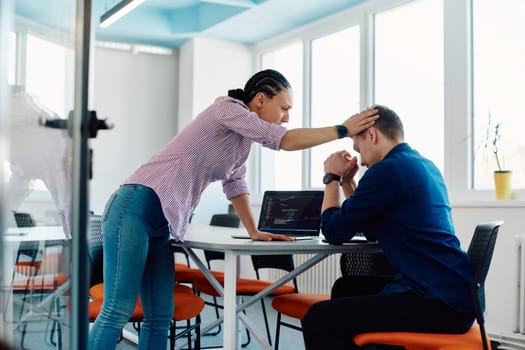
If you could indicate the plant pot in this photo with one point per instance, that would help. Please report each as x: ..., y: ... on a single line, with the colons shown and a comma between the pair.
x: 503, y: 184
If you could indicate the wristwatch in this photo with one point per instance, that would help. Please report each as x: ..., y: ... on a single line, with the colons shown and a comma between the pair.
x: 342, y: 131
x: 329, y: 177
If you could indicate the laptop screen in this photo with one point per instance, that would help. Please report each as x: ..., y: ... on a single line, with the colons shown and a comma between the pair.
x: 291, y: 212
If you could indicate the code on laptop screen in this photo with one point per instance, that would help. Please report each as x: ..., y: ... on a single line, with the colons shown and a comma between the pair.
x: 291, y: 212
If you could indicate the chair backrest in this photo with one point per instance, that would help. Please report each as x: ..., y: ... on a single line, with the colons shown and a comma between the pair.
x: 224, y: 220
x: 367, y: 263
x: 28, y: 252
x: 94, y: 238
x: 279, y: 262
x: 480, y: 251
x: 24, y: 220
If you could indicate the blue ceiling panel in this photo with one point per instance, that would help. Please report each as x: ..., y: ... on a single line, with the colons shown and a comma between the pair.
x: 275, y: 17
x: 170, y: 23
x: 212, y: 14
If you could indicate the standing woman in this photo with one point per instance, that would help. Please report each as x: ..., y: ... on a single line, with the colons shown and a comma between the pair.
x: 155, y: 203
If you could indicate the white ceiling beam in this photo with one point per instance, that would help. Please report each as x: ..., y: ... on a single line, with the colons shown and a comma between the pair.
x: 236, y: 3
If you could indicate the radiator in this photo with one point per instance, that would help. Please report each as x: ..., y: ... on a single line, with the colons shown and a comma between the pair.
x: 519, y: 319
x: 318, y: 279
x: 508, y: 341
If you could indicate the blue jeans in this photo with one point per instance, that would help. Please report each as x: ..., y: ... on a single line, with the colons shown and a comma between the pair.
x: 138, y: 257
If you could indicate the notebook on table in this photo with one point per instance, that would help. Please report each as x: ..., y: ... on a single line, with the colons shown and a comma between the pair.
x: 293, y: 213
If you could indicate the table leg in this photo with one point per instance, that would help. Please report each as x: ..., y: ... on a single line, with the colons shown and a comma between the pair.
x: 230, y: 334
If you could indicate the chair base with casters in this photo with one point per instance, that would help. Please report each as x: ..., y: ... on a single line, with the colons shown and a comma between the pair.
x: 294, y: 306
x: 480, y: 251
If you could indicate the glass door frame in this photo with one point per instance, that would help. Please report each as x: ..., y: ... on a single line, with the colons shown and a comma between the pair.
x: 79, y: 124
x: 78, y: 127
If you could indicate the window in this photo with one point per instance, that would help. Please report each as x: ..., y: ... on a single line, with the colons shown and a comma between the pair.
x: 334, y: 90
x: 283, y: 170
x: 11, y: 59
x: 498, y: 89
x: 47, y: 74
x: 409, y: 72
x: 442, y: 65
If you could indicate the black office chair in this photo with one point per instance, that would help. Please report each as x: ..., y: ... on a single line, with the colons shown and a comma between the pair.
x: 354, y: 266
x: 94, y: 238
x: 37, y: 274
x: 27, y: 262
x: 223, y: 220
x: 27, y: 252
x: 480, y: 251
x: 24, y: 219
x: 362, y: 269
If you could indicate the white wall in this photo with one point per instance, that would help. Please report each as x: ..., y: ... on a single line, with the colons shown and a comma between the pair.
x: 209, y: 68
x: 149, y: 97
x: 139, y: 93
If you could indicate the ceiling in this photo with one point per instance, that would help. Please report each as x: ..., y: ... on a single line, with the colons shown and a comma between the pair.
x: 171, y: 23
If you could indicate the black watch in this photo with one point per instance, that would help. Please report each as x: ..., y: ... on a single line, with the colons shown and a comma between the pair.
x: 329, y: 177
x: 342, y: 131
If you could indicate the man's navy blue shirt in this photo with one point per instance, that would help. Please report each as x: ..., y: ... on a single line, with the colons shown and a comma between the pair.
x: 402, y: 203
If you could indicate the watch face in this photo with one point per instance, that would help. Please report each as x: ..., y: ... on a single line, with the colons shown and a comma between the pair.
x: 329, y: 177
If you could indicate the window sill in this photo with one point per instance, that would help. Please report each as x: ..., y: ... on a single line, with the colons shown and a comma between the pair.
x: 511, y: 203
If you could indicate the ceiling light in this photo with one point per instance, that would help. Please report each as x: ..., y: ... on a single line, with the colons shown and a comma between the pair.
x: 118, y: 11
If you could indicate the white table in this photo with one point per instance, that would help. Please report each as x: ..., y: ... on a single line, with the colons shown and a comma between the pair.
x: 219, y: 239
x: 17, y: 235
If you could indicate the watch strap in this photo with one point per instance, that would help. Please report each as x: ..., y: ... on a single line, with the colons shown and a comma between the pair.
x: 342, y: 131
x: 329, y: 177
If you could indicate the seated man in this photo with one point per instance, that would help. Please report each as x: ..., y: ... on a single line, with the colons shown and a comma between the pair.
x: 402, y: 202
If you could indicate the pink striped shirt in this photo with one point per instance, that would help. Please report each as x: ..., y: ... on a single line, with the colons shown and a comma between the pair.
x: 214, y: 146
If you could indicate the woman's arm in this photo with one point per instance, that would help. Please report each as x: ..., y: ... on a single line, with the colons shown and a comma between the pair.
x: 301, y: 138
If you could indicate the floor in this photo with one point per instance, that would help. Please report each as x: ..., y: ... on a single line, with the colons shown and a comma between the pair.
x: 38, y: 333
x: 290, y: 339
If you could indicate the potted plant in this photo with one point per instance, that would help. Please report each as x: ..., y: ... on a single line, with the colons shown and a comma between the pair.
x: 502, y: 177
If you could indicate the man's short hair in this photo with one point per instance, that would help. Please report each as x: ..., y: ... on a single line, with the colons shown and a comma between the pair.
x: 389, y: 123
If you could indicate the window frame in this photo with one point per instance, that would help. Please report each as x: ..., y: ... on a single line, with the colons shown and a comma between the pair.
x: 458, y: 85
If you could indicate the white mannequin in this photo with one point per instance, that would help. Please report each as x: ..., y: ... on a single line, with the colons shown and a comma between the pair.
x: 38, y: 153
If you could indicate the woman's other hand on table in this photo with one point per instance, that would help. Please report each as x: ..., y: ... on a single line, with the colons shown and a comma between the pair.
x: 267, y: 236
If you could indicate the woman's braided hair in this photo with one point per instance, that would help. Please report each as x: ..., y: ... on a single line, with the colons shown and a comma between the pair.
x: 268, y: 81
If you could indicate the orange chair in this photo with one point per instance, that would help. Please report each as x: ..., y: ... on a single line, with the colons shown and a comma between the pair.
x: 294, y: 305
x: 366, y: 263
x: 185, y: 274
x: 480, y: 251
x: 187, y: 306
x: 40, y: 284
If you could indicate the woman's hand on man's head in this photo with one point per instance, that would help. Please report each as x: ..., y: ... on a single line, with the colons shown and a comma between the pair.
x: 361, y: 121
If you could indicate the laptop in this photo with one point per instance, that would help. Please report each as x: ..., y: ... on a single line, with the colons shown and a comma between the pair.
x: 293, y: 213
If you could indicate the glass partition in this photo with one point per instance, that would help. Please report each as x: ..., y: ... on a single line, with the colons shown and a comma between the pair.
x: 37, y: 171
